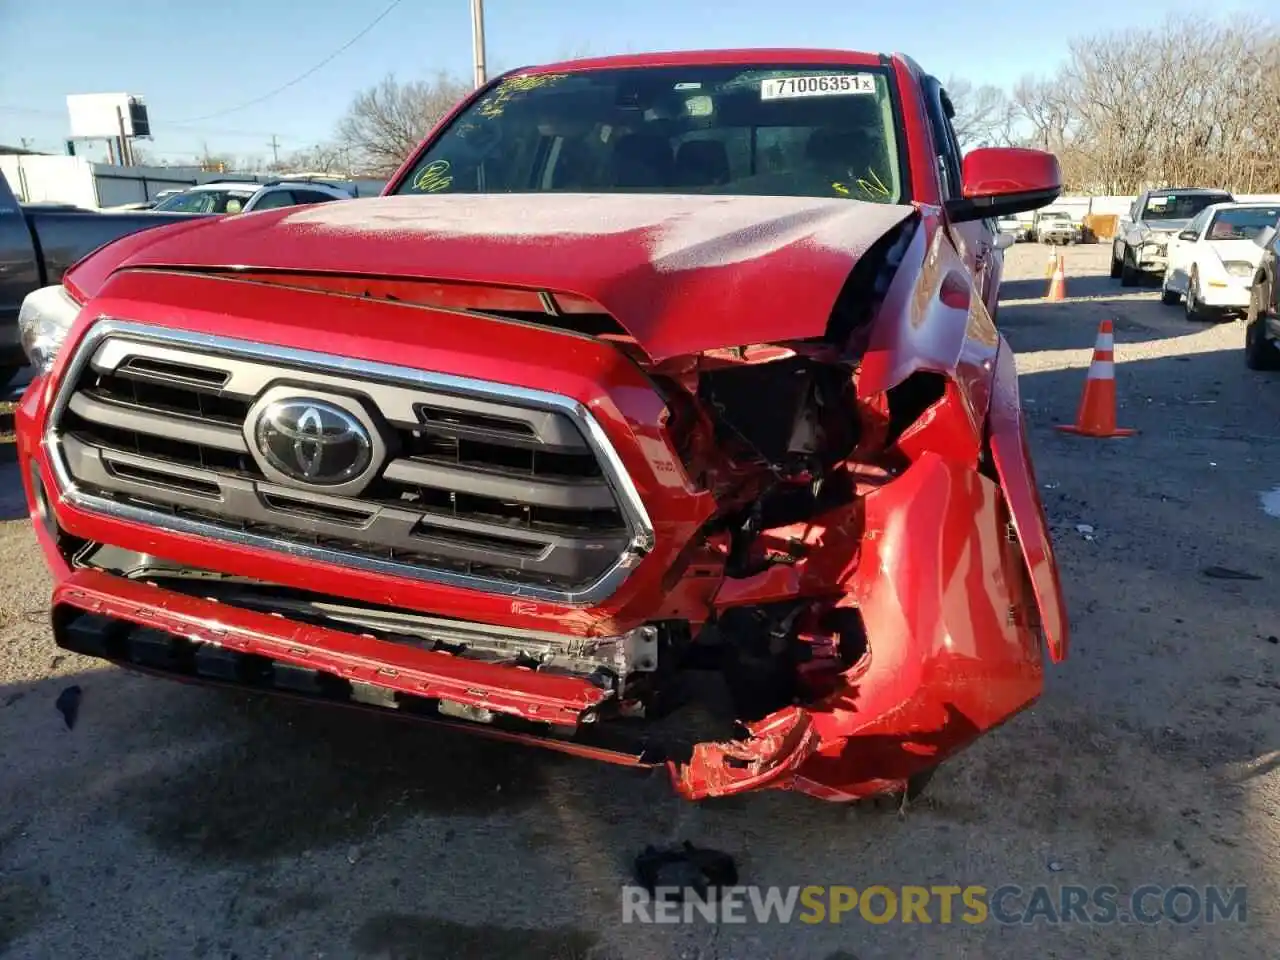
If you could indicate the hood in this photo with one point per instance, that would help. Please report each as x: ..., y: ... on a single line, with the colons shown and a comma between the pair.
x: 681, y: 274
x: 1166, y: 226
x: 1245, y: 251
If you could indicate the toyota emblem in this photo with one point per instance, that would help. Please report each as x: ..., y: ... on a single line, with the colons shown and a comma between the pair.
x: 313, y: 441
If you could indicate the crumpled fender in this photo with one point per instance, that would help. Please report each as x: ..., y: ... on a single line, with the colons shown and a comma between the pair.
x: 1009, y: 451
x: 950, y: 651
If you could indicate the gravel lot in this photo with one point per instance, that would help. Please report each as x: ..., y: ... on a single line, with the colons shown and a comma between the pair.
x: 182, y: 822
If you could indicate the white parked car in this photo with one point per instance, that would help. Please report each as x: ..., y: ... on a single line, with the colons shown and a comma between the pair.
x: 1056, y: 226
x: 245, y: 196
x: 1011, y: 226
x: 1211, y: 264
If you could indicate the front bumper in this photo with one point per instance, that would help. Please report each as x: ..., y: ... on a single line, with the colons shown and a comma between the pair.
x: 947, y: 657
x: 1151, y: 256
x: 1230, y: 294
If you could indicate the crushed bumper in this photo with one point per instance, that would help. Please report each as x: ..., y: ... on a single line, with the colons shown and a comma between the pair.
x: 202, y: 627
x: 1151, y: 258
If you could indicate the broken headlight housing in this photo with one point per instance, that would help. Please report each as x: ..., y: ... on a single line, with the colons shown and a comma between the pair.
x: 46, y: 316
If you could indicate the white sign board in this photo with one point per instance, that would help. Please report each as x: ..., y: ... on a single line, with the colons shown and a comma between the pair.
x: 94, y: 114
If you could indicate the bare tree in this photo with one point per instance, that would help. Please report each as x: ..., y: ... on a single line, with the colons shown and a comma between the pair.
x: 1190, y: 102
x: 326, y: 158
x: 983, y: 114
x: 215, y: 162
x: 386, y: 122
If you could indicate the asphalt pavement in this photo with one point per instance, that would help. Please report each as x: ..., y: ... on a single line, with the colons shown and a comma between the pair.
x: 175, y: 821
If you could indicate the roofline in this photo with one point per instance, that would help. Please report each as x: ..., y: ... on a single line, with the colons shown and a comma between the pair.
x: 784, y: 56
x: 1191, y: 190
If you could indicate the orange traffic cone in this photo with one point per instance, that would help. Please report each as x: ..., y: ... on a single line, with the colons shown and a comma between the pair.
x: 1097, y: 414
x: 1058, y: 285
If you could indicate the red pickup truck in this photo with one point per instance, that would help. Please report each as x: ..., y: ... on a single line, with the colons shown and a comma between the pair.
x: 655, y: 414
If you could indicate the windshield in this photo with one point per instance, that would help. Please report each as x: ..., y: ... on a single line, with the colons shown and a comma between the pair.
x: 1243, y: 223
x: 206, y: 201
x: 1060, y: 217
x: 826, y: 132
x: 1173, y: 206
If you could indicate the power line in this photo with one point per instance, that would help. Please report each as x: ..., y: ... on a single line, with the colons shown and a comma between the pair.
x: 302, y: 76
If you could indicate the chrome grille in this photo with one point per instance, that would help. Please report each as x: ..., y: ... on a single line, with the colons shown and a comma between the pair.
x: 475, y: 483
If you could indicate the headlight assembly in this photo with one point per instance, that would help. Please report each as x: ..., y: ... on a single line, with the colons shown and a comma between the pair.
x: 46, y: 316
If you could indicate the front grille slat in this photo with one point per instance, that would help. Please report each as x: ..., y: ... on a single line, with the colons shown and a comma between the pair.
x: 476, y: 480
x: 586, y: 495
x: 144, y: 420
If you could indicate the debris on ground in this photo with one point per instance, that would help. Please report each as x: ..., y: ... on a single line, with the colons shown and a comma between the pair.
x: 685, y: 868
x: 1227, y: 573
x: 1085, y: 530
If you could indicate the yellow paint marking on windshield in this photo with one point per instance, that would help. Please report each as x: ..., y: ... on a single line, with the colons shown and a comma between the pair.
x: 494, y: 104
x: 435, y: 176
x: 875, y: 186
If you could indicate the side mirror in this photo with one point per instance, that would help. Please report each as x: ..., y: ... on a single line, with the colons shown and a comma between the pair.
x: 1188, y: 235
x: 1004, y: 241
x: 1000, y: 181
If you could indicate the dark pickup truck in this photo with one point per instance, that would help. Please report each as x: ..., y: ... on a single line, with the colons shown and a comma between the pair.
x: 38, y: 242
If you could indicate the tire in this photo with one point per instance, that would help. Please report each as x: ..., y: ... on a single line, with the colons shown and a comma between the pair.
x: 1129, y: 273
x: 1169, y: 297
x: 1115, y: 265
x: 1259, y: 353
x: 1191, y: 303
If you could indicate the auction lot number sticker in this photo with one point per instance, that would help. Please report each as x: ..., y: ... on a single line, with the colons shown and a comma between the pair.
x: 830, y: 85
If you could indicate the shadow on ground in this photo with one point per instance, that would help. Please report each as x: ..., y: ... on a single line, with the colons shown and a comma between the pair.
x: 1086, y: 286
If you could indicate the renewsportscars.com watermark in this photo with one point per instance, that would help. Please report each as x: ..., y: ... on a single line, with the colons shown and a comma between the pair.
x: 1008, y: 904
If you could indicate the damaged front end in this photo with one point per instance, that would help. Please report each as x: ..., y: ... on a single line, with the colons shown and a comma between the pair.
x: 818, y: 564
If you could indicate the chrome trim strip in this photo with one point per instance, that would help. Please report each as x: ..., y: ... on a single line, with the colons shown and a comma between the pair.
x: 641, y: 527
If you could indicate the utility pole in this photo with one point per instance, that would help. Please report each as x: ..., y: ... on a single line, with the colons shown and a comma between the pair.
x: 477, y: 40
x: 126, y: 155
x: 275, y: 151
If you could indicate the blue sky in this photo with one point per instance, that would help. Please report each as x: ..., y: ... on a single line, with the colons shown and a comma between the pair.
x: 191, y: 60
